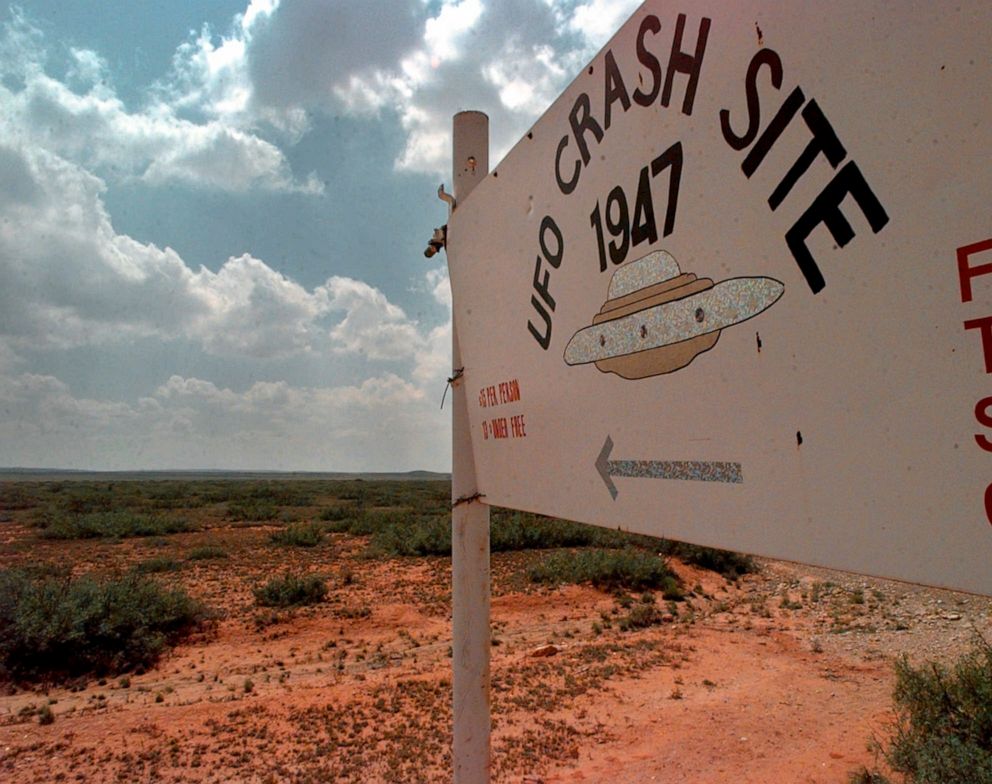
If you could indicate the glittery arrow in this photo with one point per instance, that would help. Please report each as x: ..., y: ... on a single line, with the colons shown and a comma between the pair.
x: 692, y: 470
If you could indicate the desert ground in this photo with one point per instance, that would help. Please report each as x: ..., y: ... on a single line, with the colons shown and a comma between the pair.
x: 782, y: 673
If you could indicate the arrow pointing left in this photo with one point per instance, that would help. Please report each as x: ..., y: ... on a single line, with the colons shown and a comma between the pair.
x: 693, y: 470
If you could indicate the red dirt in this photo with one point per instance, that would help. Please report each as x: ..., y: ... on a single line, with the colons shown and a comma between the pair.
x: 783, y: 676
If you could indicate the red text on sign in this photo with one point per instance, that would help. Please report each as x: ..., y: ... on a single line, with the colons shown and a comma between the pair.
x: 499, y: 394
x: 500, y: 428
x: 966, y: 273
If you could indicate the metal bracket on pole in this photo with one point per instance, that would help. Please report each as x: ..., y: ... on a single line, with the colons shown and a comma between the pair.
x: 468, y: 499
x: 439, y: 239
x: 446, y: 197
x: 457, y: 374
x: 470, y: 589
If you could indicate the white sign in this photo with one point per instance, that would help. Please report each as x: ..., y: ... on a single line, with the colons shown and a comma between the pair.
x: 735, y: 288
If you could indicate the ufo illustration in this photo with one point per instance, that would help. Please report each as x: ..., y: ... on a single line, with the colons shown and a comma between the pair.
x: 657, y: 319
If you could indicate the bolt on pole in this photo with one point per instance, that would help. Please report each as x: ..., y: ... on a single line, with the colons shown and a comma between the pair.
x: 470, y: 593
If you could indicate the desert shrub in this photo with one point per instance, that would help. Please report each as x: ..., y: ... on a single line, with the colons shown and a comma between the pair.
x: 354, y: 491
x: 206, y: 552
x: 412, y: 535
x: 525, y: 531
x: 367, y: 521
x: 45, y: 715
x: 370, y: 522
x: 278, y: 492
x: 219, y: 491
x: 417, y: 521
x: 640, y: 616
x: 424, y: 495
x: 291, y: 590
x: 724, y: 562
x: 345, y: 525
x: 283, y: 493
x: 86, y: 498
x: 52, y: 628
x: 173, y: 494
x: 170, y: 493
x: 252, y: 510
x: 116, y: 524
x: 336, y: 513
x: 630, y: 569
x: 299, y: 535
x: 15, y: 496
x: 943, y: 732
x: 522, y: 531
x: 159, y: 563
x: 42, y: 570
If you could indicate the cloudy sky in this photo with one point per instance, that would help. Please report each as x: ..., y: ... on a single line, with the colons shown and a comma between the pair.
x: 213, y: 213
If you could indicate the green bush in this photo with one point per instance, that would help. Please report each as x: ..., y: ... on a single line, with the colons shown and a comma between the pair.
x: 640, y: 616
x: 354, y: 491
x: 299, y: 535
x: 257, y: 492
x: 41, y: 570
x: 631, y: 569
x: 252, y: 510
x: 410, y: 533
x: 281, y: 492
x: 523, y: 531
x: 335, y: 513
x: 117, y: 524
x: 365, y: 522
x: 206, y: 552
x: 415, y: 530
x: 944, y: 721
x: 171, y: 494
x: 14, y: 496
x: 160, y: 563
x: 395, y: 533
x: 291, y: 590
x: 53, y: 628
x: 86, y: 498
x: 724, y: 562
x: 45, y: 715
x: 413, y: 535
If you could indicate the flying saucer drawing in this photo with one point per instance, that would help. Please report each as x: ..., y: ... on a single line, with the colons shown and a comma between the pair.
x: 657, y: 319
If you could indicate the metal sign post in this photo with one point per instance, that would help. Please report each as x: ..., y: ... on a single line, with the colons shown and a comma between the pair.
x: 469, y: 516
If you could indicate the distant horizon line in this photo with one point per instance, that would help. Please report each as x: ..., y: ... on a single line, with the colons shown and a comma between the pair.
x: 24, y: 471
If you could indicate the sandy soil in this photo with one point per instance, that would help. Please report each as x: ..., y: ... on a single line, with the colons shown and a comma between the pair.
x: 781, y: 676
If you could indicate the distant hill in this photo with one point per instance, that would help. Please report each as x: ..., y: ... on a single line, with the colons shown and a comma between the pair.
x: 68, y: 474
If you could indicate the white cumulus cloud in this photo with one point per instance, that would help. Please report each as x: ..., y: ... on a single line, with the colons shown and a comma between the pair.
x: 372, y: 325
x: 91, y: 126
x: 598, y: 20
x: 67, y: 278
x: 423, y: 62
x: 383, y: 423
